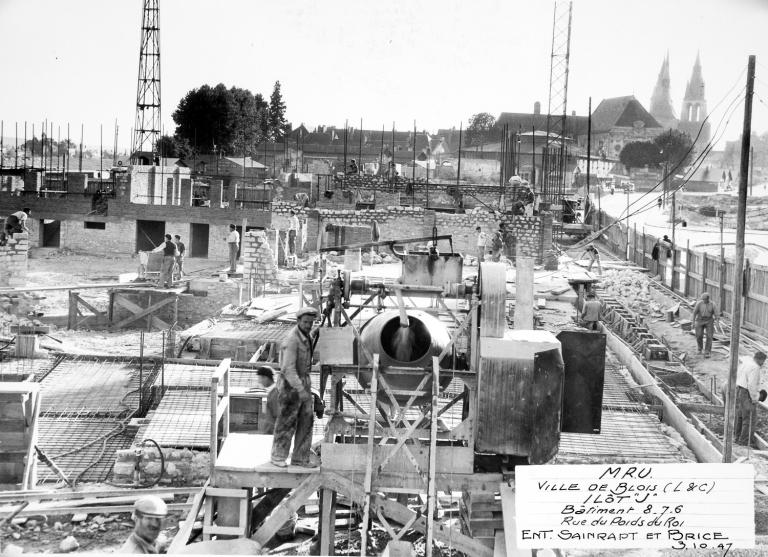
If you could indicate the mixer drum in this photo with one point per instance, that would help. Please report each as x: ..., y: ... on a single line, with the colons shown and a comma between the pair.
x: 380, y: 336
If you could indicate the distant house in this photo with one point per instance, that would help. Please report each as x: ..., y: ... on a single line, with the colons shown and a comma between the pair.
x: 618, y: 121
x: 230, y: 167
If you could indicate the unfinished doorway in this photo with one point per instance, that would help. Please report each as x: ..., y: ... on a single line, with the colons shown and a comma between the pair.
x: 198, y: 240
x: 149, y: 234
x: 50, y: 233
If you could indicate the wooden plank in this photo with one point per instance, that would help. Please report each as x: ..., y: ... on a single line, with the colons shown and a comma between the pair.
x: 369, y: 456
x: 352, y: 457
x: 403, y: 515
x: 185, y: 528
x: 66, y: 494
x: 130, y: 306
x: 287, y: 507
x: 145, y: 312
x: 88, y: 306
x: 431, y: 491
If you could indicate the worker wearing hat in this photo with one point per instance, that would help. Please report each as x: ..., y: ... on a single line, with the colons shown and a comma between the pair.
x: 148, y: 515
x: 295, y: 417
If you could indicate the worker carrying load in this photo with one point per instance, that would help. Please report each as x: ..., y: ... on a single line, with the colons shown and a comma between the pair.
x: 15, y: 223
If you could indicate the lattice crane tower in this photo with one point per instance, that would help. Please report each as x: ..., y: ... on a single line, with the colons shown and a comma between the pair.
x: 554, y: 173
x: 146, y: 132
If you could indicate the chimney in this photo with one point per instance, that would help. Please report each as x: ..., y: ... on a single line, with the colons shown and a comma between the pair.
x: 537, y: 107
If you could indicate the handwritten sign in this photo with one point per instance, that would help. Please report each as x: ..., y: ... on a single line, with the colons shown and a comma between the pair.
x: 678, y: 506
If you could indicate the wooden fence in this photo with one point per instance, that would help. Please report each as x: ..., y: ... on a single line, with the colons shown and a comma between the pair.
x: 694, y: 272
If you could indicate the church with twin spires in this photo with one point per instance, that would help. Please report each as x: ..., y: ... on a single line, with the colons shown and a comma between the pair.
x: 694, y: 108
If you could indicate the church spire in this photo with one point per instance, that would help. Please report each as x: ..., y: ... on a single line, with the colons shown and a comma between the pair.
x: 661, y: 100
x: 694, y: 91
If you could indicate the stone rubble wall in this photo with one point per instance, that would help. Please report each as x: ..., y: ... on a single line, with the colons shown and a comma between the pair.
x: 13, y: 260
x: 142, y: 465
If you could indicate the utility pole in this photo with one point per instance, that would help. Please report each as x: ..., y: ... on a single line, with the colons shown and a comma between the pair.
x: 738, y: 283
x: 626, y: 250
x: 674, y: 246
x: 721, y: 214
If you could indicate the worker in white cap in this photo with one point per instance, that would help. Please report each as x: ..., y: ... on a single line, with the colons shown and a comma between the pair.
x: 294, y: 421
x: 148, y: 515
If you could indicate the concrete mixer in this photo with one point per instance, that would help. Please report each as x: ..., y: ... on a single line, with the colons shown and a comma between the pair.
x: 513, y: 379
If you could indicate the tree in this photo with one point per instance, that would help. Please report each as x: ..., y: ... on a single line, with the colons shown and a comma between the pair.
x: 174, y: 147
x: 639, y: 153
x: 481, y: 128
x: 217, y: 119
x: 277, y: 125
x: 675, y: 149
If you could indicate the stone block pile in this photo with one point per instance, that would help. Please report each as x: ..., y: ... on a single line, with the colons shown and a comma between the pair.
x: 259, y: 262
x: 13, y: 260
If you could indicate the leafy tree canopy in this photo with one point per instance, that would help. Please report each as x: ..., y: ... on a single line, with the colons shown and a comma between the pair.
x: 637, y: 154
x: 481, y: 128
x: 674, y: 149
x: 217, y: 119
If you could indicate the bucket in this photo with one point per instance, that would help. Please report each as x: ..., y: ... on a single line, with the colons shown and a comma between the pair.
x: 223, y: 277
x: 670, y: 316
x: 353, y: 260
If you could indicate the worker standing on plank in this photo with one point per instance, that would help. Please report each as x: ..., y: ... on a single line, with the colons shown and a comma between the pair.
x: 148, y: 515
x: 295, y: 396
x: 293, y: 232
x: 267, y: 418
x: 704, y: 317
x: 233, y: 243
x: 747, y: 395
x: 169, y: 260
x: 590, y: 313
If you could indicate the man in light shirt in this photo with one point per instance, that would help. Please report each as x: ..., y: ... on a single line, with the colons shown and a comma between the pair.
x: 482, y: 240
x: 293, y: 231
x: 748, y: 387
x: 233, y: 242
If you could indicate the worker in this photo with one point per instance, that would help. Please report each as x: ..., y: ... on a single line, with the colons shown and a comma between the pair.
x: 16, y: 223
x: 353, y: 169
x: 148, y: 514
x: 590, y: 312
x: 294, y: 421
x: 267, y: 417
x: 593, y: 255
x: 667, y: 243
x: 293, y: 231
x: 182, y: 249
x: 497, y: 243
x: 704, y: 317
x: 748, y: 393
x: 233, y: 243
x: 168, y: 248
x: 482, y: 240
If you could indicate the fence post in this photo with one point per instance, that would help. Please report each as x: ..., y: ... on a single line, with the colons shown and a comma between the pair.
x: 722, y: 285
x: 687, y: 266
x: 642, y: 261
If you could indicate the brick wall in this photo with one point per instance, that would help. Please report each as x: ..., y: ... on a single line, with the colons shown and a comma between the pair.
x: 117, y: 237
x: 13, y: 260
x: 412, y: 222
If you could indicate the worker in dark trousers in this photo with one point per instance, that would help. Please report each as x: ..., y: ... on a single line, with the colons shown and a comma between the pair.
x: 590, y: 313
x: 295, y: 396
x: 169, y: 260
x: 704, y: 317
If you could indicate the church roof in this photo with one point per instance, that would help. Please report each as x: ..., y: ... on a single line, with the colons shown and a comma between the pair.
x: 694, y: 91
x: 621, y: 112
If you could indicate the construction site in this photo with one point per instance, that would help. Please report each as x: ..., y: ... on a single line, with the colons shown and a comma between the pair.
x: 451, y: 348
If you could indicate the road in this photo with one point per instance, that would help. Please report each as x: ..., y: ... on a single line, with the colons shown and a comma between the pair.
x: 657, y: 223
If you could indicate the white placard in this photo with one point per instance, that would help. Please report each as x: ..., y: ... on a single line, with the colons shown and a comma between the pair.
x: 678, y: 506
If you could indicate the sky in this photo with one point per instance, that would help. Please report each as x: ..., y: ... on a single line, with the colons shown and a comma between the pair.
x: 433, y: 62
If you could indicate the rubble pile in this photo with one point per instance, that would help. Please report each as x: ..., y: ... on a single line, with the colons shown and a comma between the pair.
x: 632, y: 290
